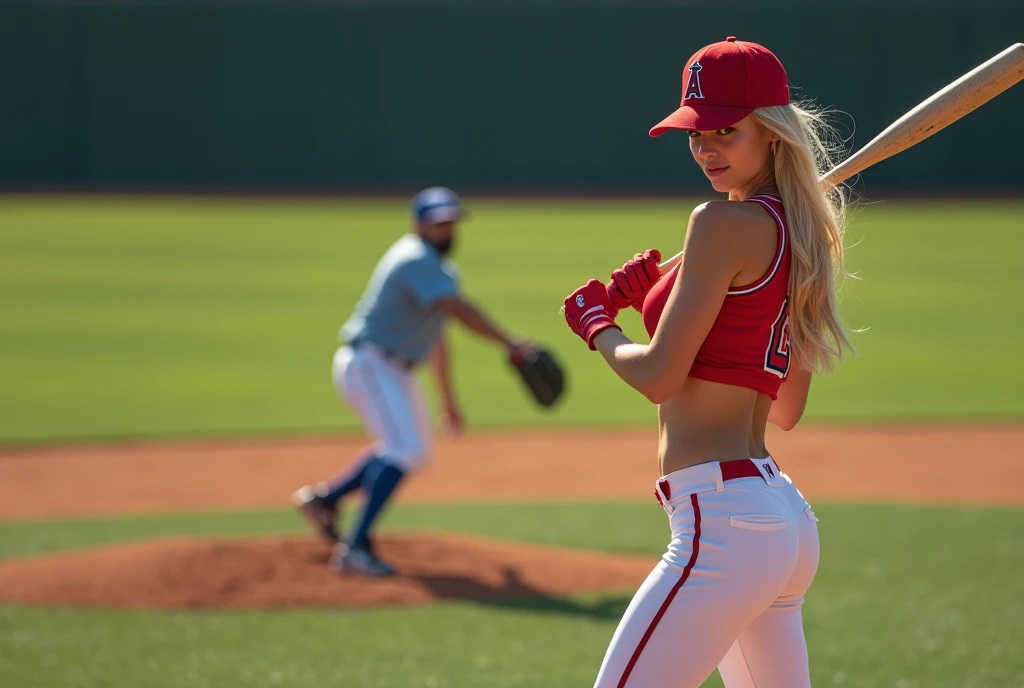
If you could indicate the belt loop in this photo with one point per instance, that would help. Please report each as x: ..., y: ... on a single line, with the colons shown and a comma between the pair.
x: 719, y: 482
x: 770, y: 472
x: 663, y: 492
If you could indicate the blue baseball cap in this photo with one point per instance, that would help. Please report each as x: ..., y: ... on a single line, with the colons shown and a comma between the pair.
x: 437, y: 204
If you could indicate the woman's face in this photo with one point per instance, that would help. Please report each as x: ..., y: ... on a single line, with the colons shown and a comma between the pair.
x: 735, y: 157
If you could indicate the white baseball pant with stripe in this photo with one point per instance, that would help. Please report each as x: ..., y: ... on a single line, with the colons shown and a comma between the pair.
x: 389, y: 400
x: 728, y: 592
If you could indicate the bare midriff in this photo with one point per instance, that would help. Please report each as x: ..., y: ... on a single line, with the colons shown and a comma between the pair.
x: 708, y: 421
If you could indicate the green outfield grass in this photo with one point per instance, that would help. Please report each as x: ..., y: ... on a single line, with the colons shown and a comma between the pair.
x: 908, y: 597
x: 138, y: 317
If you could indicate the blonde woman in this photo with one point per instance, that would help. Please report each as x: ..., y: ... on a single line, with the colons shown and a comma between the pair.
x: 736, y: 332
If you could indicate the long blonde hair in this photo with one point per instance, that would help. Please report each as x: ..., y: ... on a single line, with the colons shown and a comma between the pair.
x: 816, y: 220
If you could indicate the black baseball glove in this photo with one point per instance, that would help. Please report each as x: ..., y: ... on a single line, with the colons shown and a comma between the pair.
x: 542, y: 375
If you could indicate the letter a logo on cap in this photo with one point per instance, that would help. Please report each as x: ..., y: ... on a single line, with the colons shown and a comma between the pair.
x: 693, y: 86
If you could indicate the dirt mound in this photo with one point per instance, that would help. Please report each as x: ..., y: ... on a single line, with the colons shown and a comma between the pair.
x: 200, y: 573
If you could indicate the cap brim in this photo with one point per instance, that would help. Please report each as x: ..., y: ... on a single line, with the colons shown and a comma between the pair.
x: 445, y: 213
x: 701, y: 117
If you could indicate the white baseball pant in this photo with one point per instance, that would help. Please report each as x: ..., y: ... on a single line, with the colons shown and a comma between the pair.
x: 389, y: 400
x: 728, y: 592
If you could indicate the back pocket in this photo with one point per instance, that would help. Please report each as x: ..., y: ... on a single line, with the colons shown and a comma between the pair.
x: 758, y: 522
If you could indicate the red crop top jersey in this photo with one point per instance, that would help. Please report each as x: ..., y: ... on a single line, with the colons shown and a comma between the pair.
x: 748, y: 345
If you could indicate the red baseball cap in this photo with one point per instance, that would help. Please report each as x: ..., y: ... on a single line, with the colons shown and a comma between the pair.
x: 723, y: 83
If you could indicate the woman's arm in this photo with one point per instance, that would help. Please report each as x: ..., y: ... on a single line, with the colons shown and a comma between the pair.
x: 713, y: 257
x: 788, y: 408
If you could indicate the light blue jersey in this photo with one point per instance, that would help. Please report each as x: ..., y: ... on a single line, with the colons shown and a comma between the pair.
x: 397, y: 310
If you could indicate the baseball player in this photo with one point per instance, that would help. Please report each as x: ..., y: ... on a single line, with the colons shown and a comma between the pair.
x: 736, y: 332
x: 397, y: 325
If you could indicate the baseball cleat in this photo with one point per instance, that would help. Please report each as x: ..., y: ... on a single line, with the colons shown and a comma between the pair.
x: 359, y: 560
x: 321, y: 515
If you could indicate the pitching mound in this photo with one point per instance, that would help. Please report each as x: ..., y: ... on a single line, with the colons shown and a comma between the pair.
x: 200, y: 573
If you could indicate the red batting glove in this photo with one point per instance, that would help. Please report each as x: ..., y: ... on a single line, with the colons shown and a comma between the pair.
x: 588, y: 311
x: 630, y: 283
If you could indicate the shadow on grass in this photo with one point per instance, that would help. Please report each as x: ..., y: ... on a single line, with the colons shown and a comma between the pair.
x: 515, y: 594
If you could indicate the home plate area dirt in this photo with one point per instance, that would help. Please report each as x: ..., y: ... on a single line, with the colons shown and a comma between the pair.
x: 944, y: 465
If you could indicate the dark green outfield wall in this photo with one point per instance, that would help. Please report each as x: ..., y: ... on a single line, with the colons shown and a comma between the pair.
x: 486, y: 95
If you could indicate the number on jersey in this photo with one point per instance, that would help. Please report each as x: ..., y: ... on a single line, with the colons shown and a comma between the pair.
x: 776, y: 358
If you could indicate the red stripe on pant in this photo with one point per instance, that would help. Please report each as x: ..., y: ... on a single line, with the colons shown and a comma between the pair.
x: 671, y: 595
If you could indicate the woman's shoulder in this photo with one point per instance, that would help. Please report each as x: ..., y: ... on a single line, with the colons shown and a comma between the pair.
x: 732, y: 216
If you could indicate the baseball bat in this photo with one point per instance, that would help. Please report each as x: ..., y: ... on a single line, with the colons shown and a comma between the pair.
x: 973, y: 89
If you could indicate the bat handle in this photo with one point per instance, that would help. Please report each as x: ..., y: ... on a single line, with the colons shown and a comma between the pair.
x: 664, y: 267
